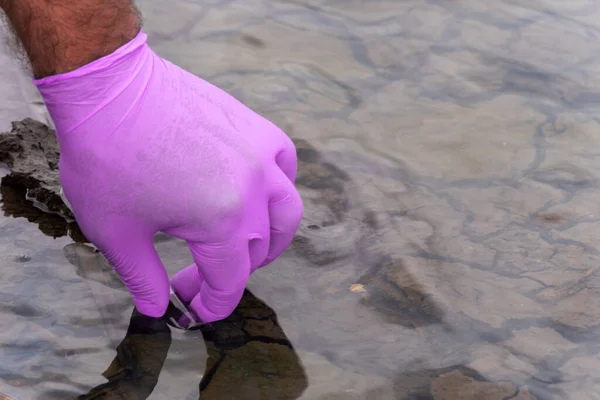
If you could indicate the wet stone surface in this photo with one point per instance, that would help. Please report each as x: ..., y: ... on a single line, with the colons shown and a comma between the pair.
x: 449, y: 165
x: 31, y: 152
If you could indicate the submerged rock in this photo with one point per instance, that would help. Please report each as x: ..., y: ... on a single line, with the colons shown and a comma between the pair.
x: 250, y: 357
x: 16, y: 205
x: 31, y: 152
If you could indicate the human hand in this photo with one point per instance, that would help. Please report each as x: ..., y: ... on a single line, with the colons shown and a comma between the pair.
x: 147, y: 147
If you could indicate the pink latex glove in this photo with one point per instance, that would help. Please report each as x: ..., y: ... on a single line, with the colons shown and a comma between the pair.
x: 147, y: 147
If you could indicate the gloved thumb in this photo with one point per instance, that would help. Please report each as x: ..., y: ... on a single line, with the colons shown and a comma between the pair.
x: 137, y: 263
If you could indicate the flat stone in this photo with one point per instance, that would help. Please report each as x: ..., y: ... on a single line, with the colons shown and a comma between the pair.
x: 251, y: 349
x: 455, y: 385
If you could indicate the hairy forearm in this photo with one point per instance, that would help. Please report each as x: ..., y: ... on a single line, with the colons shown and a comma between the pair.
x: 62, y: 35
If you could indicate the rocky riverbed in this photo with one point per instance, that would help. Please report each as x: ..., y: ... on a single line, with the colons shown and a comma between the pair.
x: 449, y: 166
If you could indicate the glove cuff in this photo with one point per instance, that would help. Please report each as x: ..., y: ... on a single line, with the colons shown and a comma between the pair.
x: 97, y: 65
x: 100, y: 93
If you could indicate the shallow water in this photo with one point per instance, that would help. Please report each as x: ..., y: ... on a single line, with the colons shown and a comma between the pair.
x: 450, y: 172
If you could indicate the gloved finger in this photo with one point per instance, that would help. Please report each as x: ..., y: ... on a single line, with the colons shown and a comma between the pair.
x: 285, y: 214
x: 287, y: 158
x: 260, y: 234
x: 137, y: 263
x: 225, y: 268
x: 187, y: 283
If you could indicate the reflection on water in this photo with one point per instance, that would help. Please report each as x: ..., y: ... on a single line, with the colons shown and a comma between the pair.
x: 134, y: 372
x: 449, y: 165
x: 249, y: 357
x: 248, y: 348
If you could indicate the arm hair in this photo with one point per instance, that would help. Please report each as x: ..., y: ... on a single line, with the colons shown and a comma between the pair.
x: 59, y: 36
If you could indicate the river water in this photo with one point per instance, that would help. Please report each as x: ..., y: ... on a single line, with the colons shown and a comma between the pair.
x: 449, y: 164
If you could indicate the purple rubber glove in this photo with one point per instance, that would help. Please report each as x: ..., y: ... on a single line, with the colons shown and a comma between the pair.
x: 147, y: 147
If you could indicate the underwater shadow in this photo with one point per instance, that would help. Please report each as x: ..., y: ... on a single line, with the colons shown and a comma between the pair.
x: 248, y: 355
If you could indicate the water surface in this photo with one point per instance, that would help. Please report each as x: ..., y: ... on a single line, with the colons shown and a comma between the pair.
x: 449, y: 164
